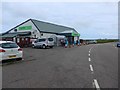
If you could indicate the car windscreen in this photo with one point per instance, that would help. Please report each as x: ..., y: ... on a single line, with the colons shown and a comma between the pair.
x: 50, y: 39
x: 9, y: 45
x: 42, y: 40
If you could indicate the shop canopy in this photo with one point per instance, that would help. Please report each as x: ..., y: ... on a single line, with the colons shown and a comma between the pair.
x: 70, y: 33
x: 8, y: 35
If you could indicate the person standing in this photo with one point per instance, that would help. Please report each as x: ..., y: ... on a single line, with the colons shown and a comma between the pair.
x: 66, y: 42
x: 76, y: 42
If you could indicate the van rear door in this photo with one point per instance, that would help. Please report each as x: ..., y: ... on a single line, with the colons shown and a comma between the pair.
x: 50, y: 41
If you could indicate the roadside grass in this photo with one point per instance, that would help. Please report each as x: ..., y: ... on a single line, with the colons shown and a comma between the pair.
x: 106, y: 40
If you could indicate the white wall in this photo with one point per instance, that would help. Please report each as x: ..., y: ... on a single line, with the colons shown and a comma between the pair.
x: 34, y: 30
x: 47, y: 35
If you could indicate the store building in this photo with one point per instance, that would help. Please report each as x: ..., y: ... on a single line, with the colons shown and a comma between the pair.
x: 26, y: 32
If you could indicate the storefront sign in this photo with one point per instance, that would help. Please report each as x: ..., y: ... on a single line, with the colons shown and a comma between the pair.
x: 75, y: 34
x: 25, y: 28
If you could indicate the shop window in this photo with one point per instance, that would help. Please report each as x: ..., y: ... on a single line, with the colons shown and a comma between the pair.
x: 26, y: 39
x: 18, y: 40
x: 22, y: 39
x: 14, y: 39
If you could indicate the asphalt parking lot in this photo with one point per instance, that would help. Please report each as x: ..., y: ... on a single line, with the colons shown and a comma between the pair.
x: 64, y: 68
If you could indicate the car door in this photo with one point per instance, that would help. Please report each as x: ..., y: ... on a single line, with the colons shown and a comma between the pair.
x: 36, y: 42
x: 41, y: 42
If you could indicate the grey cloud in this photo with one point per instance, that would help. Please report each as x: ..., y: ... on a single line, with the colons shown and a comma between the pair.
x: 84, y: 17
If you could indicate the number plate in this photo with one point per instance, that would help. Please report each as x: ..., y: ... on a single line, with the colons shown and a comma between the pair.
x: 13, y: 56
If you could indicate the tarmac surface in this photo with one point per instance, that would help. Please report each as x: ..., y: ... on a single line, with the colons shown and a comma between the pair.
x: 88, y: 66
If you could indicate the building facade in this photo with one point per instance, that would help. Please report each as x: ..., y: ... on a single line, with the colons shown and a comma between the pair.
x: 26, y: 32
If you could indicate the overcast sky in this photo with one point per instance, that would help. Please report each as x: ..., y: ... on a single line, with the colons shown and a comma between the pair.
x: 90, y: 19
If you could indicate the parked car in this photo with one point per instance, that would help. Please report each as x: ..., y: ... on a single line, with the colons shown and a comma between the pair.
x: 44, y: 43
x: 118, y: 44
x: 92, y: 42
x: 10, y: 50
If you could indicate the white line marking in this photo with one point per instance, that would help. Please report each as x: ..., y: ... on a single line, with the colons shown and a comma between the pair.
x: 114, y: 46
x: 91, y: 48
x: 96, y: 84
x: 91, y: 68
x: 88, y: 54
x: 89, y: 51
x: 89, y: 59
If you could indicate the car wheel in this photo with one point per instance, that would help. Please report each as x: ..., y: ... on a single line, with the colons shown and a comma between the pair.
x: 43, y: 46
x: 118, y: 46
x: 33, y: 46
x: 19, y: 59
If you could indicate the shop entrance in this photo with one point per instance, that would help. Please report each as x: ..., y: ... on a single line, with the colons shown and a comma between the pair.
x: 23, y: 41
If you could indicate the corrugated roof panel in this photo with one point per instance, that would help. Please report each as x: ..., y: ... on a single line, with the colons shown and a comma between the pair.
x: 48, y: 27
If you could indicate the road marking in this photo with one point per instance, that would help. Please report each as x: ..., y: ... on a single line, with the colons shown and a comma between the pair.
x: 89, y: 59
x: 88, y: 54
x: 114, y: 46
x: 91, y: 67
x: 89, y: 51
x: 96, y: 84
x: 91, y: 48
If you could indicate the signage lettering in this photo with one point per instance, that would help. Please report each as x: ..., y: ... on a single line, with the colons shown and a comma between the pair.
x: 25, y: 28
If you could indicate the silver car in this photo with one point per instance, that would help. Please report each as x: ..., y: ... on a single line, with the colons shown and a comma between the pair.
x: 43, y: 43
x: 92, y: 42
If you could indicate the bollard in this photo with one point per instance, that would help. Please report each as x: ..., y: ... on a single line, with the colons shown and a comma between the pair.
x: 72, y: 45
x: 69, y: 46
x: 65, y: 45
